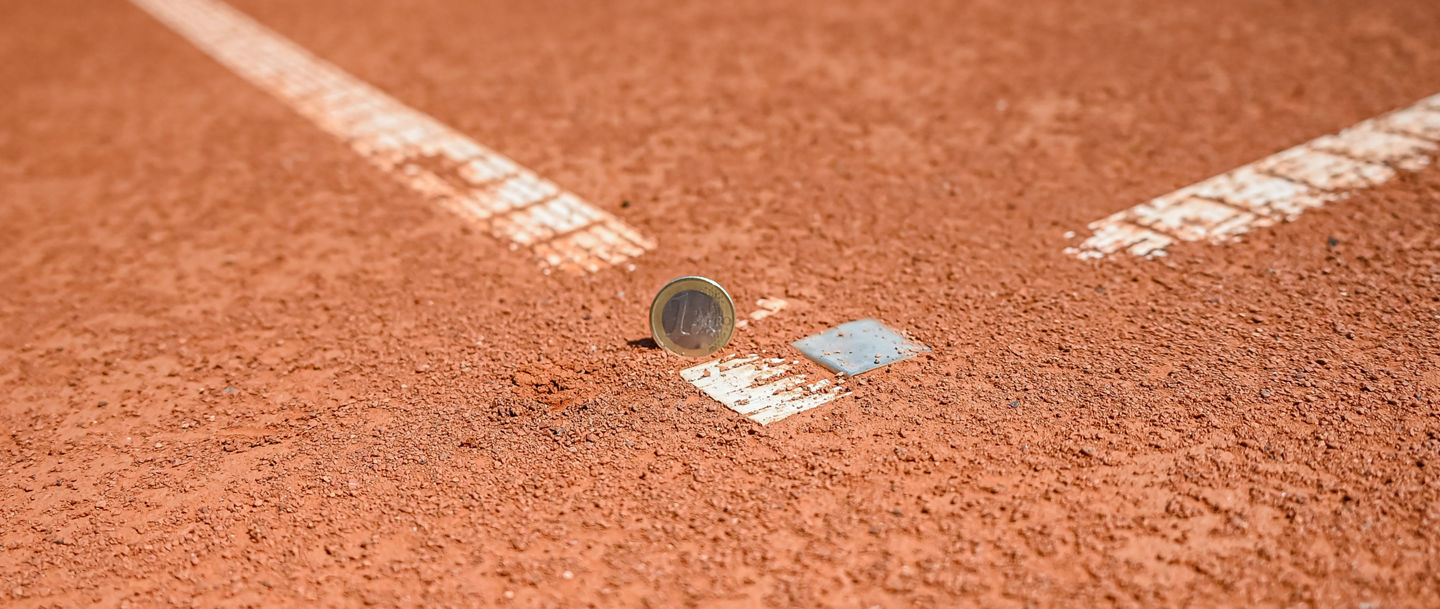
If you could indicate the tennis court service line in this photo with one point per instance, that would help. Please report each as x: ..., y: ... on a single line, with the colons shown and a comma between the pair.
x: 509, y: 201
x: 1276, y: 188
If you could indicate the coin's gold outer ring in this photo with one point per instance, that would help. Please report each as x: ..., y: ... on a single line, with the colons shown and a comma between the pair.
x: 704, y: 286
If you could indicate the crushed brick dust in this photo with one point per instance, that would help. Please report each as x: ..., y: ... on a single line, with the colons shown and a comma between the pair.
x: 241, y: 367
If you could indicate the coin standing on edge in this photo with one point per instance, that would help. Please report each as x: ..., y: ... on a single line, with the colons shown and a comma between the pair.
x: 692, y: 316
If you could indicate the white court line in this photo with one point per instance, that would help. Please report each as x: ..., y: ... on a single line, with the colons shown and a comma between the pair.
x: 479, y: 184
x: 763, y: 389
x: 768, y: 307
x: 1274, y: 189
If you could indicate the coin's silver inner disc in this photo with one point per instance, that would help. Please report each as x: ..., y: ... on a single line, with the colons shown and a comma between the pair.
x: 692, y: 320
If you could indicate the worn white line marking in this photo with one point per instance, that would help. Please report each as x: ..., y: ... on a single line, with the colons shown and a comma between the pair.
x: 1277, y: 188
x: 473, y: 181
x: 768, y: 307
x: 763, y: 389
x: 1368, y: 142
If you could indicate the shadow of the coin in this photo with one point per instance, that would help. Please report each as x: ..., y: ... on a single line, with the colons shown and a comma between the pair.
x: 643, y: 343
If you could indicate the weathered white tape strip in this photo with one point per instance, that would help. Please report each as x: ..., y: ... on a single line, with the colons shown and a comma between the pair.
x: 763, y: 389
x: 1274, y: 189
x: 768, y: 307
x: 477, y: 183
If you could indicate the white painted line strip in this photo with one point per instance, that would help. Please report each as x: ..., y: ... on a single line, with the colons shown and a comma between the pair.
x: 763, y: 389
x: 768, y: 307
x: 1368, y: 142
x: 475, y: 182
x: 1277, y: 188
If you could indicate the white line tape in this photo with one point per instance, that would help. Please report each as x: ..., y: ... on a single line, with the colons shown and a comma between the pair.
x: 479, y: 184
x: 1274, y: 189
x: 762, y: 389
x: 768, y: 307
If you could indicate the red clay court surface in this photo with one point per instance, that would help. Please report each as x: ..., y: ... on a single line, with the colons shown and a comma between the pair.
x: 241, y: 366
